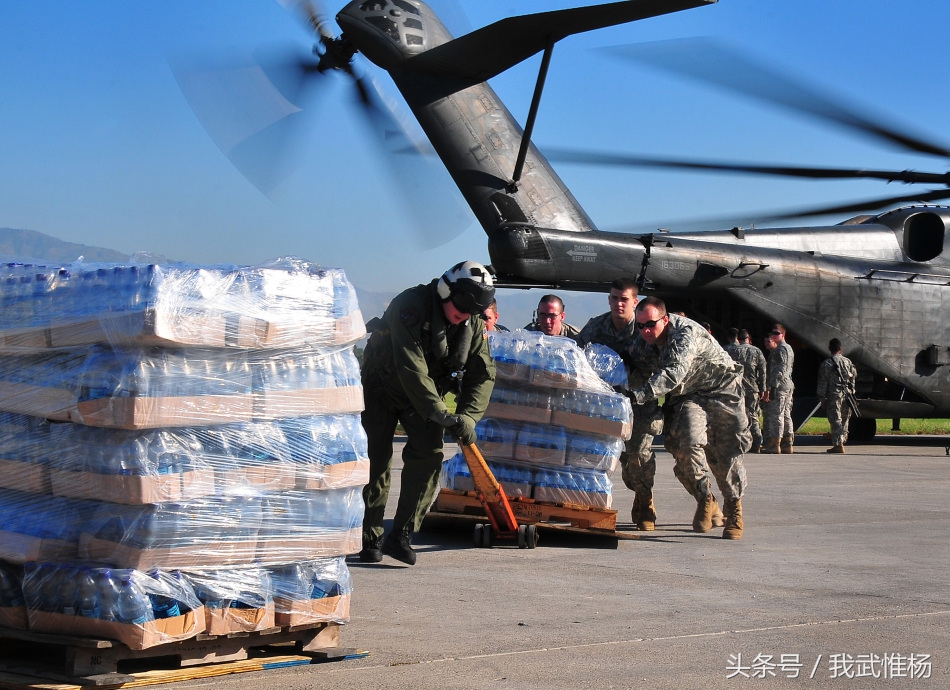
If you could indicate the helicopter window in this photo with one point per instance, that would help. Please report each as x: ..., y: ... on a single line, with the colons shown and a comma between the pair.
x: 413, y: 40
x: 387, y: 25
x: 373, y: 6
x: 406, y: 6
x: 923, y: 236
x: 412, y: 24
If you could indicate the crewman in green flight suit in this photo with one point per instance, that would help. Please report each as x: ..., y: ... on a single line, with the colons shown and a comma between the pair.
x: 431, y: 341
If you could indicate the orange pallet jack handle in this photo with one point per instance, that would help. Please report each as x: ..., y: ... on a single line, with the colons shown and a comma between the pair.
x: 490, y: 493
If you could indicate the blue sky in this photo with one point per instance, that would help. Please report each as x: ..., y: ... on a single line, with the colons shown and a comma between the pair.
x: 99, y: 146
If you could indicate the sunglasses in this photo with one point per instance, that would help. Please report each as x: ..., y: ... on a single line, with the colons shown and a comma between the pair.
x: 648, y: 324
x: 775, y: 333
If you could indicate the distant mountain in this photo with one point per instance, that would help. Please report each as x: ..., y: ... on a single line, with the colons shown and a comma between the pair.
x: 29, y: 245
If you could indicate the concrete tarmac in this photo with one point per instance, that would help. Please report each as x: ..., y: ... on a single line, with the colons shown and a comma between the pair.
x: 841, y: 580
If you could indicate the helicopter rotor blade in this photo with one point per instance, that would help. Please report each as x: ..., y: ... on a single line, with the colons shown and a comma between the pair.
x: 252, y: 108
x: 628, y: 161
x: 424, y: 187
x: 878, y: 204
x: 311, y: 14
x: 708, y: 61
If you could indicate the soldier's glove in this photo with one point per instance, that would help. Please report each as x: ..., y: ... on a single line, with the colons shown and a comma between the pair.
x: 459, y: 426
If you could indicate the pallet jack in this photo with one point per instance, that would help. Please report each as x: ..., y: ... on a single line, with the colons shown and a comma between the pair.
x: 503, y: 524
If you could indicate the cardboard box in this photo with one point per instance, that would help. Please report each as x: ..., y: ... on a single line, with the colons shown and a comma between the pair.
x: 14, y: 617
x: 512, y: 490
x: 518, y: 413
x: 37, y: 401
x: 131, y: 490
x: 223, y: 621
x: 192, y: 556
x: 142, y: 636
x: 291, y: 612
x: 151, y: 413
x: 552, y: 379
x: 274, y: 476
x: 581, y: 498
x: 24, y: 476
x: 336, y: 476
x: 591, y: 425
x: 539, y: 456
x: 511, y: 371
x: 22, y: 548
x: 308, y: 401
x: 336, y: 543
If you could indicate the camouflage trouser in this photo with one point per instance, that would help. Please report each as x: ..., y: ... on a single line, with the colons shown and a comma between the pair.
x: 709, y: 434
x: 839, y: 414
x: 752, y: 412
x: 638, y: 461
x: 778, y: 415
x: 422, y: 461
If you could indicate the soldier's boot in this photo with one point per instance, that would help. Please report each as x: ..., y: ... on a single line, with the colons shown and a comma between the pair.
x: 771, y: 446
x: 788, y: 445
x: 646, y: 513
x: 836, y: 449
x: 718, y: 519
x: 706, y: 508
x: 756, y: 447
x: 734, y: 522
x: 398, y: 545
x: 635, y: 511
x: 372, y: 549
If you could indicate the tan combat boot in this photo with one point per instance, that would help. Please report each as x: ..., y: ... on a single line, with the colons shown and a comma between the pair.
x: 644, y: 513
x: 836, y: 449
x: 706, y: 508
x: 734, y: 522
x: 788, y: 445
x: 770, y: 445
x: 718, y: 520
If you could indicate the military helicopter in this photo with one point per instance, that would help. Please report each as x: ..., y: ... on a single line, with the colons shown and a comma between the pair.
x: 875, y: 282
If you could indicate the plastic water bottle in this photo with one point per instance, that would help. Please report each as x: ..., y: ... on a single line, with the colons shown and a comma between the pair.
x: 49, y: 577
x: 87, y: 594
x: 162, y: 606
x: 68, y: 586
x: 132, y: 606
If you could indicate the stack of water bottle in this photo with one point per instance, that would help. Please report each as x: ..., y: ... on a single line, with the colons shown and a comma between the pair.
x: 554, y: 428
x: 202, y: 448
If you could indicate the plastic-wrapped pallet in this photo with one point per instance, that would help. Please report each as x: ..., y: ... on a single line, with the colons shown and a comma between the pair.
x: 211, y: 422
x: 552, y: 416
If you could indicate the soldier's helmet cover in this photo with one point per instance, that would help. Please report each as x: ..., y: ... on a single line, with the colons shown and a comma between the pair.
x: 469, y: 286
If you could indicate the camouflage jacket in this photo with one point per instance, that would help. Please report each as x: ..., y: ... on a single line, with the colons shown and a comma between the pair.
x: 753, y: 366
x: 836, y: 376
x: 779, y: 368
x: 567, y: 330
x: 414, y: 352
x: 600, y: 329
x: 691, y: 362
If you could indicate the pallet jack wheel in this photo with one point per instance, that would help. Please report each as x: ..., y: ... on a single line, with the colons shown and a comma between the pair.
x: 486, y: 536
x: 478, y: 536
x: 531, y: 535
x: 522, y: 536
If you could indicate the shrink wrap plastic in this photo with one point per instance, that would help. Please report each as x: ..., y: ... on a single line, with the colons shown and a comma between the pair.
x: 553, y: 430
x: 180, y: 425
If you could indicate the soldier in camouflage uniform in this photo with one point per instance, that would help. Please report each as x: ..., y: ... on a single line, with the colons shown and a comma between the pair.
x: 706, y: 423
x: 753, y: 381
x: 550, y: 319
x: 836, y: 379
x: 429, y: 336
x: 616, y: 330
x: 779, y: 428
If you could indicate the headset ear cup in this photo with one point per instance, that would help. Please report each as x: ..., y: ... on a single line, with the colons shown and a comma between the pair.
x: 469, y: 285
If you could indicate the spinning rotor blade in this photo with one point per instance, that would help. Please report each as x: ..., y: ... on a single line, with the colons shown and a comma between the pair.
x: 624, y: 161
x: 708, y: 61
x: 252, y: 110
x: 861, y: 206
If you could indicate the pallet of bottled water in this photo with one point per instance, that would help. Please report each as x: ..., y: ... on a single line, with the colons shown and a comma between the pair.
x: 286, y: 303
x: 554, y: 436
x: 143, y: 609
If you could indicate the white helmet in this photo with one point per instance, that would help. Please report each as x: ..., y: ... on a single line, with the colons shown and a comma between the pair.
x: 469, y: 286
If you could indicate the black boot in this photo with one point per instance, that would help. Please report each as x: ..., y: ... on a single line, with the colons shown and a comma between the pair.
x: 398, y: 546
x: 372, y: 550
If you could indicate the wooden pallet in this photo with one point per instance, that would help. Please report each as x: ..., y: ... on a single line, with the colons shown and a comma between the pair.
x: 563, y: 517
x: 37, y: 660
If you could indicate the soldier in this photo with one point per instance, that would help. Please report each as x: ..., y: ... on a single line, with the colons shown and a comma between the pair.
x: 616, y: 329
x: 428, y: 338
x: 778, y: 394
x: 491, y: 318
x: 836, y: 379
x: 706, y: 421
x: 733, y: 343
x: 549, y: 318
x: 753, y: 381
